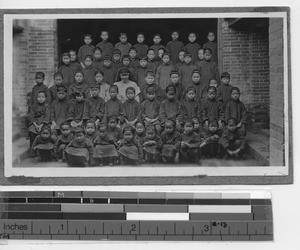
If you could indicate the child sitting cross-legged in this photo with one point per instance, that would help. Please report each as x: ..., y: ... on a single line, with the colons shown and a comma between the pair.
x: 150, y: 143
x: 63, y: 140
x: 90, y: 130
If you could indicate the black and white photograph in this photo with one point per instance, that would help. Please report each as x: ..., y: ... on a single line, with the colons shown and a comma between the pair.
x: 160, y: 93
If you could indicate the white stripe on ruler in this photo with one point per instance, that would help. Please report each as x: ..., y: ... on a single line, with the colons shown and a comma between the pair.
x: 219, y: 209
x: 158, y: 216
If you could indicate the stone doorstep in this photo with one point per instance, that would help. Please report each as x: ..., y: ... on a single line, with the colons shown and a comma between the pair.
x: 258, y: 147
x: 20, y: 150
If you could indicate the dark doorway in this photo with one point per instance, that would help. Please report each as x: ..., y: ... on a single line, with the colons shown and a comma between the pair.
x: 71, y: 31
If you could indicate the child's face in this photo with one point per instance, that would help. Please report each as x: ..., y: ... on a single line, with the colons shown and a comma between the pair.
x: 231, y: 126
x: 207, y: 55
x: 102, y: 132
x: 139, y: 128
x: 166, y: 59
x: 45, y: 134
x: 149, y: 79
x: 191, y: 95
x: 169, y: 128
x: 65, y: 130
x: 151, y: 55
x: 58, y: 80
x: 195, y: 78
x: 88, y: 62
x: 150, y: 134
x: 112, y: 123
x: 225, y: 80
x: 174, y: 78
x: 211, y: 94
x: 61, y: 95
x: 99, y: 78
x: 79, y: 98
x: 132, y: 54
x: 106, y: 63
x: 171, y: 95
x: 143, y: 63
x: 156, y: 40
x: 192, y: 37
x: 201, y: 54
x: 213, y: 128
x: 196, y: 124
x: 90, y: 128
x: 188, y: 127
x: 130, y: 94
x: 95, y: 92
x: 116, y: 57
x: 181, y: 56
x: 123, y: 39
x: 79, y: 77
x: 140, y: 38
x: 87, y: 40
x: 79, y: 137
x: 126, y: 62
x: 187, y: 59
x: 160, y: 53
x: 128, y: 136
x: 113, y: 93
x: 235, y: 95
x: 150, y: 96
x: 124, y: 77
x: 39, y: 79
x: 41, y: 98
x: 73, y: 56
x: 211, y: 37
x: 66, y: 60
x: 97, y: 54
x: 213, y: 83
x: 175, y: 35
x: 104, y: 35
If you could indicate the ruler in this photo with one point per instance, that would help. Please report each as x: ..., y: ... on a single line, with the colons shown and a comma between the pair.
x: 136, y: 216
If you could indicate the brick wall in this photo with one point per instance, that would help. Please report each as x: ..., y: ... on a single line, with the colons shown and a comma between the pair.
x: 245, y: 55
x: 276, y: 92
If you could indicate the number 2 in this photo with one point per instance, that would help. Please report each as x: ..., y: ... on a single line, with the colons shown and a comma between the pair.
x: 133, y: 226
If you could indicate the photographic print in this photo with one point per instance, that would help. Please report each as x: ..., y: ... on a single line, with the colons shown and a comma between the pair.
x: 147, y: 96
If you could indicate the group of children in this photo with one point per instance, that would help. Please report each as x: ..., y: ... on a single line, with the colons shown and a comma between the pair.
x: 157, y: 104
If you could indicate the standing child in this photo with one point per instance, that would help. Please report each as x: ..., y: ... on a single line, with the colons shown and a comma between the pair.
x: 126, y: 65
x: 73, y: 60
x: 149, y: 81
x: 189, y: 146
x: 169, y: 142
x: 212, y: 109
x: 105, y: 45
x: 180, y: 90
x: 152, y: 63
x: 75, y: 112
x: 123, y: 45
x: 97, y: 58
x: 116, y: 59
x: 112, y: 128
x: 140, y: 46
x: 236, y: 109
x: 79, y: 152
x: 192, y: 107
x: 173, y: 47
x: 200, y: 59
x: 90, y: 130
x: 103, y: 86
x: 68, y: 71
x: 88, y: 70
x: 38, y: 116
x: 43, y: 145
x: 131, y: 107
x: 180, y: 62
x: 149, y: 145
x: 105, y: 151
x: 156, y: 46
x: 186, y: 70
x: 94, y: 107
x: 109, y: 71
x: 40, y: 86
x: 162, y: 76
x: 86, y: 49
x: 232, y: 141
x: 58, y: 80
x: 134, y: 61
x: 212, y: 45
x: 150, y: 109
x: 78, y: 85
x: 224, y: 90
x: 141, y: 72
x: 63, y: 140
x: 130, y: 149
x: 192, y: 47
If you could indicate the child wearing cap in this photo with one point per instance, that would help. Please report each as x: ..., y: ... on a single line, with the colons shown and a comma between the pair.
x: 75, y: 111
x: 156, y: 45
x: 141, y: 71
x: 134, y: 61
x: 67, y: 70
x: 40, y: 86
x: 162, y: 77
x: 192, y: 47
x: 94, y: 106
x: 126, y: 65
x: 191, y: 106
x: 79, y: 152
x: 141, y: 48
x: 208, y: 69
x: 116, y: 59
x: 173, y: 47
x: 152, y: 63
x: 185, y: 71
x: 180, y: 90
x: 58, y: 79
x: 109, y: 72
x: 123, y: 45
x: 224, y: 90
x: 78, y: 85
x: 86, y: 49
x: 103, y: 86
x: 105, y: 45
x: 236, y: 109
x: 89, y: 71
x: 180, y: 62
x: 97, y: 58
x: 123, y: 83
x: 150, y: 81
x: 131, y: 107
x: 212, y: 45
x: 73, y: 60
